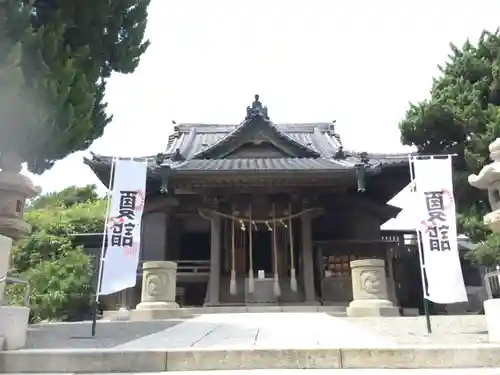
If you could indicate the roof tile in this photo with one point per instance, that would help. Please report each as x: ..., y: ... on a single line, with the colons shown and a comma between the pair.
x: 194, y: 138
x: 276, y: 164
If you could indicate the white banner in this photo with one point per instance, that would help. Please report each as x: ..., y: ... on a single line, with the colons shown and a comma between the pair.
x: 121, y: 259
x: 443, y: 278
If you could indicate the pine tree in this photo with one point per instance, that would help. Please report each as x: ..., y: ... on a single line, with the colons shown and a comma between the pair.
x: 55, y: 58
x: 462, y: 116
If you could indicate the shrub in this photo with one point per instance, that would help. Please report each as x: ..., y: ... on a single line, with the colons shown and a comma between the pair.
x: 58, y: 270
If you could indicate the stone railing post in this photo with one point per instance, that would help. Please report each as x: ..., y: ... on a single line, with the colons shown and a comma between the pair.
x: 489, y: 179
x: 369, y: 289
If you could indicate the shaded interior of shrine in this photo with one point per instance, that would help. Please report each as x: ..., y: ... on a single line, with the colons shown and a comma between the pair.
x: 278, y: 250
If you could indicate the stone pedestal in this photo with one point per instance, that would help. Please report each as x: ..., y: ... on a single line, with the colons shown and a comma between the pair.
x: 158, y: 292
x: 159, y: 279
x: 13, y: 320
x: 5, y: 248
x: 369, y: 290
x: 13, y: 326
x: 492, y: 314
x: 14, y: 190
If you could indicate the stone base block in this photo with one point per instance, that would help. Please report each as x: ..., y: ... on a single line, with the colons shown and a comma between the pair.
x: 14, y: 326
x: 123, y: 314
x: 356, y: 312
x: 157, y: 306
x: 5, y: 248
x: 157, y: 314
x: 13, y: 227
x: 492, y: 315
x: 372, y: 307
x: 409, y: 311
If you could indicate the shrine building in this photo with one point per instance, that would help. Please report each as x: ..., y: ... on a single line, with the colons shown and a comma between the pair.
x: 266, y: 213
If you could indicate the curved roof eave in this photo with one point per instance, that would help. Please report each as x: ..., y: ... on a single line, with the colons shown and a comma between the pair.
x: 101, y: 166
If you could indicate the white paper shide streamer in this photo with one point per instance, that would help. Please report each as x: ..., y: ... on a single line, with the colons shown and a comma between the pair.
x: 121, y: 258
x: 435, y: 205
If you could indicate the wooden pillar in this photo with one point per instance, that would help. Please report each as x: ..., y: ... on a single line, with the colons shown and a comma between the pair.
x: 174, y: 230
x: 320, y: 271
x: 166, y: 237
x: 391, y: 277
x: 153, y: 241
x: 283, y: 253
x: 215, y: 261
x: 307, y: 260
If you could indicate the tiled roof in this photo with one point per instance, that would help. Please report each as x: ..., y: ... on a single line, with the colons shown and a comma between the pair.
x: 192, y: 139
x: 256, y: 124
x: 269, y: 164
x: 208, y: 147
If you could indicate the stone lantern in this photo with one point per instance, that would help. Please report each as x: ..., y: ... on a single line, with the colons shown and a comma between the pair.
x: 489, y: 179
x: 14, y: 190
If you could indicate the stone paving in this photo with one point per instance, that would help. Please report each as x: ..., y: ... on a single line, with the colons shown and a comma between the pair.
x: 446, y: 329
x: 78, y: 335
x: 259, y: 341
x: 469, y: 371
x: 261, y: 330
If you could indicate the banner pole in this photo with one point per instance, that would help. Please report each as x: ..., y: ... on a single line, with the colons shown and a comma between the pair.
x: 421, y: 256
x: 103, y: 247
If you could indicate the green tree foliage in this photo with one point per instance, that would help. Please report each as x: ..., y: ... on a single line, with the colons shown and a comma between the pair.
x: 462, y: 116
x: 52, y: 260
x: 65, y: 198
x: 55, y: 58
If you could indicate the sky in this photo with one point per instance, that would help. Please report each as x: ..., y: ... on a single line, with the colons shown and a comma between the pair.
x: 359, y: 62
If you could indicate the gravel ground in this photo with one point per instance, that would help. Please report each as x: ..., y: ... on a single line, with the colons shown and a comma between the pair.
x: 78, y: 335
x: 446, y: 329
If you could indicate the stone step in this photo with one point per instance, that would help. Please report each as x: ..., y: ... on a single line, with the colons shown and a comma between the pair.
x: 110, y: 360
x: 466, y: 371
x: 339, y: 311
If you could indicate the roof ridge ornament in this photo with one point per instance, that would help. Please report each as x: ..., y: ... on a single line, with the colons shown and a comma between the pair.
x: 331, y: 127
x: 257, y: 109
